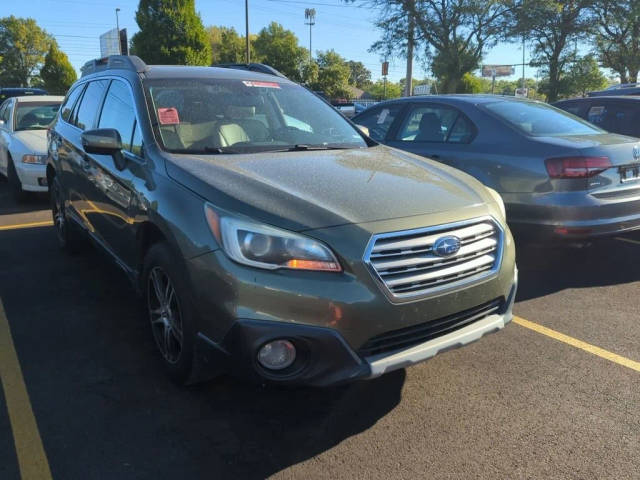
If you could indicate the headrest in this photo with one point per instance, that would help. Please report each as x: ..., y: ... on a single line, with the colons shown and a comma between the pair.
x: 237, y: 112
x: 430, y: 121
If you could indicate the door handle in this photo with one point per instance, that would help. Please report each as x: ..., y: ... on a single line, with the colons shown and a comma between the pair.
x: 433, y: 155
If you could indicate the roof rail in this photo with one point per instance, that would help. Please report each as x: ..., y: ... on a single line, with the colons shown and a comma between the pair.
x: 121, y: 62
x: 253, y: 67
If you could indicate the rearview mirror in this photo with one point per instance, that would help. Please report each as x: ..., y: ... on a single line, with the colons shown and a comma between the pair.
x: 363, y: 129
x: 103, y: 141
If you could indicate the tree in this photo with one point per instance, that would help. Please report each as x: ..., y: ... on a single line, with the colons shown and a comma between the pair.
x: 57, y: 74
x: 227, y: 46
x: 453, y: 33
x: 359, y: 76
x: 554, y: 28
x: 584, y: 76
x: 171, y: 33
x: 617, y: 39
x: 23, y: 45
x: 333, y: 75
x: 377, y: 90
x: 279, y: 48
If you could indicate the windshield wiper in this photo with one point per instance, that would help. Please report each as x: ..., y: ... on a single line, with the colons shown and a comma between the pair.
x: 303, y: 147
x: 217, y: 150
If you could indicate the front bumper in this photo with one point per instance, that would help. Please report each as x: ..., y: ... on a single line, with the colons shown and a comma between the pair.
x: 32, y: 177
x: 324, y: 356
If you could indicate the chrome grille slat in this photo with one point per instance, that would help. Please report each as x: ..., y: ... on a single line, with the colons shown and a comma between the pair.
x: 482, y: 245
x: 406, y: 265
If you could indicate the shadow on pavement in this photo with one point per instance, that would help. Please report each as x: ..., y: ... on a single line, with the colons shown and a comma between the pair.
x: 9, y: 205
x: 548, y: 269
x: 106, y: 410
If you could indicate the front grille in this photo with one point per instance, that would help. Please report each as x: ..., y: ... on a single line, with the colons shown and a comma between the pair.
x: 417, y: 334
x: 407, y: 266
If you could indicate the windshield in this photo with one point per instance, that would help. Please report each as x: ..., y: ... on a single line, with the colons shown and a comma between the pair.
x: 242, y: 116
x: 540, y: 120
x: 35, y: 115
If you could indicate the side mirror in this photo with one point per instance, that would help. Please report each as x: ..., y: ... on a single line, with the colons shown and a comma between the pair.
x: 103, y: 141
x: 364, y: 130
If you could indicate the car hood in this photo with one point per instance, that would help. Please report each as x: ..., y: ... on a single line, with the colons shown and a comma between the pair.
x: 314, y: 189
x: 34, y: 141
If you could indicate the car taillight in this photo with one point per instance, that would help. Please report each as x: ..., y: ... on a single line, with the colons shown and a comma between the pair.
x: 576, y: 167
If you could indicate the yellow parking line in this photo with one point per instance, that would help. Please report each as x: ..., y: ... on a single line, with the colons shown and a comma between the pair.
x: 574, y: 342
x: 46, y: 223
x: 32, y: 458
x: 628, y: 240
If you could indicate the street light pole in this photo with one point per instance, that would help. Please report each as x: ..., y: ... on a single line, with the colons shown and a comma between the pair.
x: 246, y: 25
x: 118, y: 32
x: 310, y: 15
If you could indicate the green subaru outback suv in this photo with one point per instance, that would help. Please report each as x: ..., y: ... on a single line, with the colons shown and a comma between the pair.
x: 267, y: 235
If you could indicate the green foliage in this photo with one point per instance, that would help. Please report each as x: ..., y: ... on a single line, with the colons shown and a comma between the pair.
x: 23, y: 45
x: 333, y: 75
x: 279, y: 48
x: 227, y: 46
x: 57, y: 74
x: 310, y: 72
x: 359, y: 76
x: 617, y: 38
x: 171, y: 33
x: 554, y: 27
x: 377, y: 90
x: 585, y: 76
x: 472, y: 84
x: 453, y: 33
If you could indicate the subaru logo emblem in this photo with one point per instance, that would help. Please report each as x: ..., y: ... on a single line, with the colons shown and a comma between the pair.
x: 446, y: 246
x: 636, y: 152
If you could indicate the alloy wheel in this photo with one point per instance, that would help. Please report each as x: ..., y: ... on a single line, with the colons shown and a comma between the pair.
x: 165, y: 314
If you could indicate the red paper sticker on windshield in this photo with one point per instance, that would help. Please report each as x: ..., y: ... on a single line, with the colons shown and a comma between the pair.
x: 168, y: 116
x: 261, y: 84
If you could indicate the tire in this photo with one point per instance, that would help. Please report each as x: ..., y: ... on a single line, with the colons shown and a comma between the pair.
x: 14, y: 182
x: 70, y: 239
x: 170, y: 312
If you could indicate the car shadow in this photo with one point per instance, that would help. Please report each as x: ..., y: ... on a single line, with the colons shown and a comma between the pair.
x: 104, y: 407
x: 546, y: 269
x: 9, y: 205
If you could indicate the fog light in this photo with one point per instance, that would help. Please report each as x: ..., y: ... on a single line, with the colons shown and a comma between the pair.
x: 277, y: 355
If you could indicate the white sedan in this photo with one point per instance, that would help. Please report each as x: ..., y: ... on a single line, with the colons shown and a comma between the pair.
x: 23, y: 141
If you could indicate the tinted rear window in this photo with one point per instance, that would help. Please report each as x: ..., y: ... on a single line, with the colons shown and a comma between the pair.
x: 540, y: 120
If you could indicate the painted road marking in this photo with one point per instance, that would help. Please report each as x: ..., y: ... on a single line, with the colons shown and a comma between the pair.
x: 574, y: 342
x: 628, y: 240
x: 32, y: 458
x: 46, y: 223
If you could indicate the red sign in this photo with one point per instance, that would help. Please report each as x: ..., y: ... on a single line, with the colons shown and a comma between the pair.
x: 168, y: 116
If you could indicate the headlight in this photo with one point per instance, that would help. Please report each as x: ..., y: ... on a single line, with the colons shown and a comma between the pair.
x: 496, y: 196
x: 268, y: 247
x: 34, y: 159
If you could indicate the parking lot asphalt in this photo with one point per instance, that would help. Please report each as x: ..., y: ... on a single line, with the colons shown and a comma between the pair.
x: 517, y: 404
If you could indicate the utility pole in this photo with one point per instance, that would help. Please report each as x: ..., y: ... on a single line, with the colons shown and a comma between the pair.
x: 310, y: 15
x: 118, y: 32
x: 246, y: 25
x: 523, y: 79
x: 408, y: 81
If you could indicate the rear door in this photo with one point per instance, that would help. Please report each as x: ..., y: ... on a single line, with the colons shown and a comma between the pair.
x: 74, y: 161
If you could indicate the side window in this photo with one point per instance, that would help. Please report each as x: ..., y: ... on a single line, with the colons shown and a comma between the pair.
x: 462, y: 131
x: 623, y: 119
x: 378, y: 120
x: 136, y: 142
x: 4, y: 114
x: 428, y: 124
x: 90, y: 104
x: 118, y: 113
x: 67, y: 106
x: 574, y: 108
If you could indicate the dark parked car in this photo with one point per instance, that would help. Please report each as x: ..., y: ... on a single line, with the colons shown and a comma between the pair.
x: 268, y: 236
x: 613, y: 114
x: 9, y: 92
x: 559, y: 176
x: 617, y: 90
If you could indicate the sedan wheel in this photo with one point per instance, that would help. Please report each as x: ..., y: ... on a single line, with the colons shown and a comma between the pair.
x: 165, y: 315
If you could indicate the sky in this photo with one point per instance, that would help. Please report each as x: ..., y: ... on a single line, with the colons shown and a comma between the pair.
x: 348, y: 29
